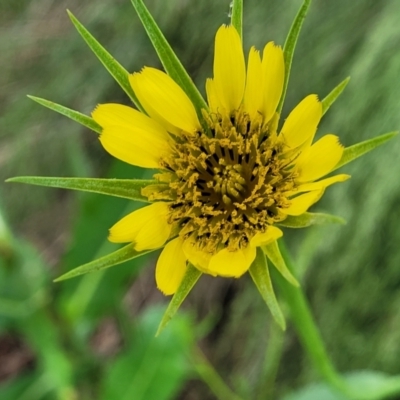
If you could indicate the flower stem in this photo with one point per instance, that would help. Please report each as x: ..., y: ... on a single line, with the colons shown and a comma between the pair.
x: 210, y: 377
x: 307, y: 330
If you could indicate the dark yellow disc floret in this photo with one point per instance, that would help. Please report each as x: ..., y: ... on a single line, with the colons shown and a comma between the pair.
x: 228, y: 184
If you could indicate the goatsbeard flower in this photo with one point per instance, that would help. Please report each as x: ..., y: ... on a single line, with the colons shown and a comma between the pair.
x: 224, y: 184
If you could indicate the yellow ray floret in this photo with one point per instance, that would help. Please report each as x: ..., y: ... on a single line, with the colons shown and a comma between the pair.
x: 171, y: 267
x: 319, y: 159
x: 253, y: 96
x: 132, y: 136
x: 273, y: 75
x: 302, y: 122
x: 147, y: 227
x: 161, y: 95
x: 232, y: 263
x: 229, y: 68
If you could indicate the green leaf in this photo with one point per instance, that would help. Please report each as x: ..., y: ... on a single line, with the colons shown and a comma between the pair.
x: 117, y: 71
x: 72, y: 114
x: 125, y: 188
x: 308, y: 219
x: 189, y: 280
x: 117, y: 257
x: 333, y: 95
x: 290, y: 45
x: 364, y: 385
x: 237, y: 16
x: 274, y: 254
x: 150, y: 368
x: 169, y: 60
x: 260, y: 274
x: 359, y: 149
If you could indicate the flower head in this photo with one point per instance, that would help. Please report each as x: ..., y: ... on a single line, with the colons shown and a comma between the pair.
x: 228, y: 175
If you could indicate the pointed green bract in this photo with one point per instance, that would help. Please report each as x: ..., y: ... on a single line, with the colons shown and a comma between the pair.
x: 169, y: 60
x: 260, y: 275
x: 290, y: 45
x: 117, y: 71
x: 237, y: 16
x: 125, y: 188
x: 333, y: 95
x: 274, y: 254
x: 309, y: 219
x: 126, y: 253
x: 189, y: 280
x: 72, y: 114
x: 359, y: 149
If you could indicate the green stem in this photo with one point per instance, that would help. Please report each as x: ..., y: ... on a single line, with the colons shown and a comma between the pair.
x: 307, y: 330
x: 211, y: 378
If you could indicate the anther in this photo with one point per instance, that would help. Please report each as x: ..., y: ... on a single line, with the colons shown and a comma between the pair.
x: 226, y: 199
x: 233, y: 192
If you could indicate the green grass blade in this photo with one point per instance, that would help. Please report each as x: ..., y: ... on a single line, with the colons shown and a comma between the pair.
x: 273, y: 253
x: 333, y: 95
x: 125, y: 188
x: 189, y: 280
x: 72, y: 114
x: 237, y: 16
x: 126, y: 253
x: 117, y: 71
x: 168, y: 58
x: 260, y: 274
x: 309, y: 219
x: 359, y: 149
x: 290, y: 45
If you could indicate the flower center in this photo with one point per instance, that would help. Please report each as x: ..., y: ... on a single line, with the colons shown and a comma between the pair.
x: 228, y: 185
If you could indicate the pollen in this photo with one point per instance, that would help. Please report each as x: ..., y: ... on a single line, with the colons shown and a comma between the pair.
x: 226, y: 184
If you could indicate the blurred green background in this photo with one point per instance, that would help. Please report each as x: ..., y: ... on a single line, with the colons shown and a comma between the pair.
x: 92, y: 337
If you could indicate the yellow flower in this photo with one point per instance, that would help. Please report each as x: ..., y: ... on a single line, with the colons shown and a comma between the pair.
x: 223, y: 185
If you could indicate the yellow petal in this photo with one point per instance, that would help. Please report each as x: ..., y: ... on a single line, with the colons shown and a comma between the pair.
x: 302, y: 122
x: 324, y: 183
x: 171, y: 267
x: 131, y: 136
x: 319, y: 159
x: 253, y: 94
x: 160, y: 95
x: 198, y: 258
x: 213, y: 102
x: 273, y: 72
x: 261, y: 239
x: 157, y: 117
x: 136, y: 145
x: 302, y: 203
x: 232, y: 263
x: 229, y: 68
x: 147, y: 227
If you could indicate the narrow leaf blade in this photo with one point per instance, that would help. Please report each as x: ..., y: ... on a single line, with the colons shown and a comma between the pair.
x: 237, y: 16
x: 125, y: 188
x: 359, y: 149
x: 117, y: 71
x: 274, y: 254
x: 309, y: 219
x: 333, y: 95
x: 290, y: 45
x: 68, y: 112
x: 260, y: 274
x: 189, y: 280
x: 126, y: 253
x: 168, y: 58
